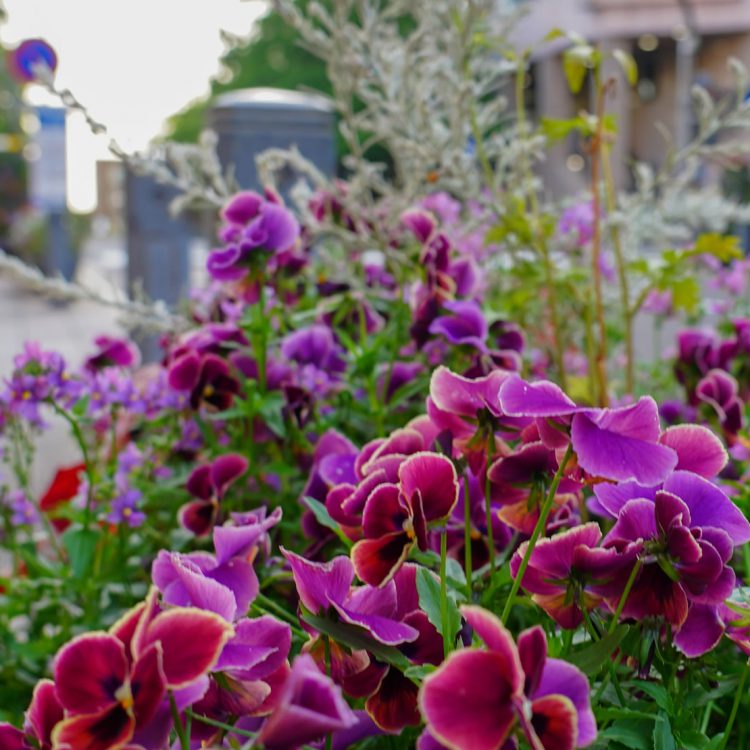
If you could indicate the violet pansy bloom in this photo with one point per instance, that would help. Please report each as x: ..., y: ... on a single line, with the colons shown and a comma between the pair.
x: 479, y: 698
x: 466, y: 325
x: 684, y: 538
x: 396, y: 516
x: 619, y: 444
x: 720, y: 391
x: 310, y: 706
x: 43, y: 714
x: 207, y: 378
x: 208, y: 484
x: 324, y: 586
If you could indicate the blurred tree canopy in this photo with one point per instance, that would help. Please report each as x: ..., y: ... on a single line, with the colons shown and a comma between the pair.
x: 271, y: 56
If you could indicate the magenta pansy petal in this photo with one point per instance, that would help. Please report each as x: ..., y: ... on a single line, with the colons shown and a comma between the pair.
x: 44, y: 712
x: 242, y: 207
x: 11, y: 738
x: 110, y: 728
x: 184, y: 372
x: 258, y: 648
x: 434, y: 477
x: 147, y: 684
x: 496, y: 637
x: 385, y: 512
x: 541, y: 399
x: 243, y: 535
x: 240, y: 578
x: 191, y: 640
x: 697, y: 448
x: 612, y: 497
x: 383, y: 629
x: 198, y: 517
x: 532, y: 651
x: 456, y: 394
x: 553, y: 723
x: 637, y: 520
x: 88, y: 672
x: 226, y: 469
x: 199, y: 482
x: 621, y: 444
x: 420, y: 223
x: 709, y: 506
x: 376, y: 561
x: 701, y: 631
x: 466, y: 702
x: 561, y: 678
x: 204, y: 592
x: 554, y: 555
x: 320, y: 584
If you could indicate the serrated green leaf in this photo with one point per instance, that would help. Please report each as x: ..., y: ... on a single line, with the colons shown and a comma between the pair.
x: 628, y: 65
x: 591, y: 658
x: 357, y: 639
x: 428, y: 587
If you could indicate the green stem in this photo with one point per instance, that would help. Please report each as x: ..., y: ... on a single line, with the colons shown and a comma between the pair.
x: 178, y: 727
x: 541, y: 524
x: 488, y: 504
x: 467, y: 539
x: 327, y: 647
x: 78, y: 435
x: 624, y: 596
x: 739, y: 694
x: 444, y: 590
x: 263, y: 603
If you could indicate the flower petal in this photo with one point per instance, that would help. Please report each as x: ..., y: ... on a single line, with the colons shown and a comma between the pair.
x: 107, y: 729
x: 376, y: 561
x: 698, y: 449
x: 434, y: 476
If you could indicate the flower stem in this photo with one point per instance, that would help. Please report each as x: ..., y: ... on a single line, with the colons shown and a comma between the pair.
x: 488, y: 504
x: 541, y: 524
x: 596, y: 244
x: 738, y: 695
x: 467, y: 539
x: 178, y: 727
x: 444, y: 591
x: 327, y: 648
x: 624, y: 596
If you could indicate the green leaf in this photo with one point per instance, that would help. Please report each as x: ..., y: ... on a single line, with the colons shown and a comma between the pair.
x: 576, y: 62
x: 80, y: 544
x: 692, y: 739
x: 590, y: 659
x: 428, y: 587
x: 657, y: 692
x: 555, y: 129
x: 663, y: 737
x: 686, y: 293
x: 323, y: 517
x: 357, y: 639
x: 628, y: 65
x: 633, y: 734
x: 555, y: 33
x: 724, y: 247
x: 418, y: 672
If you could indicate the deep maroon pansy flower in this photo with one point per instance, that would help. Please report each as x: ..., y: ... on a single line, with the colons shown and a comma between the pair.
x: 684, y: 538
x: 112, y: 684
x: 43, y: 714
x: 208, y: 484
x: 479, y: 698
x: 562, y: 568
x: 396, y: 516
x: 207, y: 378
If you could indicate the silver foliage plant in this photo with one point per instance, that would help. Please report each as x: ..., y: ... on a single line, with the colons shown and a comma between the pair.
x: 431, y: 82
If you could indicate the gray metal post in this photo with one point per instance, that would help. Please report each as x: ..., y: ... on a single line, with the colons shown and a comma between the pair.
x: 157, y: 245
x: 249, y: 121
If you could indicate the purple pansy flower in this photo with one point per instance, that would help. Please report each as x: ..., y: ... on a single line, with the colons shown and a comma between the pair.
x: 620, y: 443
x: 113, y: 352
x: 206, y: 378
x: 466, y: 325
x: 209, y: 483
x: 478, y: 698
x: 43, y: 714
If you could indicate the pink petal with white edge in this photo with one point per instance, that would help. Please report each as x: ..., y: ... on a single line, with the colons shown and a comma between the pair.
x: 467, y: 702
x: 434, y: 476
x: 88, y: 671
x: 43, y: 713
x: 192, y: 641
x: 498, y: 639
x: 698, y: 449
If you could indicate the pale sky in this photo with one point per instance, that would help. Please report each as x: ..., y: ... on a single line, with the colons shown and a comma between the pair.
x: 131, y: 62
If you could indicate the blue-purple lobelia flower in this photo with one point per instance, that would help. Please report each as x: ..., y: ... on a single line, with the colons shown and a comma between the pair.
x: 478, y: 699
x: 254, y: 227
x: 618, y: 444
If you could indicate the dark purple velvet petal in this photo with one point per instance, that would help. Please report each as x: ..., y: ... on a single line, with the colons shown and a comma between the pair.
x: 147, y: 684
x: 376, y: 561
x: 385, y: 512
x: 532, y: 651
x: 393, y: 706
x: 227, y: 469
x: 184, y: 372
x: 199, y: 483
